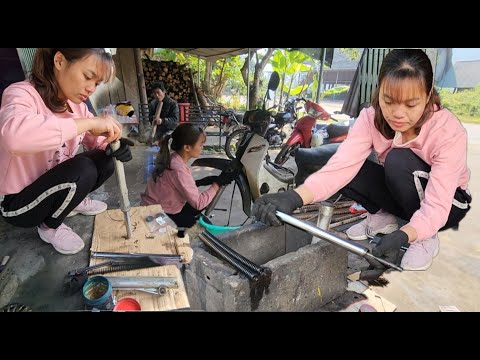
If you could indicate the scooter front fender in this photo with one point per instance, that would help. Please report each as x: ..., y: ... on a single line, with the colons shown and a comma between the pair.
x: 216, y: 163
x: 296, y: 137
x: 240, y: 178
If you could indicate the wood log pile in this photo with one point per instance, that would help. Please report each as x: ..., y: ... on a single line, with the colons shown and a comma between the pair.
x: 175, y: 76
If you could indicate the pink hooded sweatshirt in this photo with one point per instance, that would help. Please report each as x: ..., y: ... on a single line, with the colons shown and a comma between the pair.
x: 442, y: 144
x: 33, y: 139
x: 175, y: 187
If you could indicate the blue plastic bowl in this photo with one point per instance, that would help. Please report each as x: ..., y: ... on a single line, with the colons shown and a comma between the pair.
x: 215, y: 229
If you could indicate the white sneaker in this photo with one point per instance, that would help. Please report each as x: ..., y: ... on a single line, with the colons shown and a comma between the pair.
x: 381, y: 222
x: 420, y: 254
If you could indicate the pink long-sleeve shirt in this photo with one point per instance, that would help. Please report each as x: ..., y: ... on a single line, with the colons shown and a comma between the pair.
x: 33, y: 139
x: 175, y: 188
x: 442, y: 144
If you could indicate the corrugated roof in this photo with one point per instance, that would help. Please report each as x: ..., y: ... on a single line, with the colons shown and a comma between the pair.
x: 214, y: 53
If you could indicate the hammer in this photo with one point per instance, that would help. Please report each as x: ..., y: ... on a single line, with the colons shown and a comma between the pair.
x: 122, y: 184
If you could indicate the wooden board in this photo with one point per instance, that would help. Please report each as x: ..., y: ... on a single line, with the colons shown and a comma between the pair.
x: 109, y: 235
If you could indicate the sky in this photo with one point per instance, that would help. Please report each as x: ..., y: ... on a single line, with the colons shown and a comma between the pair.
x: 462, y: 54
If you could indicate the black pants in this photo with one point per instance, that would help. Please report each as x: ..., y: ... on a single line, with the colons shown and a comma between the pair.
x: 187, y: 217
x: 395, y: 187
x: 53, y: 195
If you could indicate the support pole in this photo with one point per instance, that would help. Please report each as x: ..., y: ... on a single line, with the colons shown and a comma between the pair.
x: 248, y: 81
x: 320, y: 75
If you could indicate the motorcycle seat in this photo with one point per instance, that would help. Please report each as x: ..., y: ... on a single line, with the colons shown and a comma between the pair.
x: 281, y: 173
x: 335, y: 130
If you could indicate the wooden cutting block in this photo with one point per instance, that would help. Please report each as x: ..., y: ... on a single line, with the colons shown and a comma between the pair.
x: 109, y: 235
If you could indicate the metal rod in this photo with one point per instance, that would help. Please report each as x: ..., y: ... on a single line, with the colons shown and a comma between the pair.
x: 122, y: 184
x: 100, y: 254
x: 142, y: 281
x: 313, y: 230
x: 214, y: 201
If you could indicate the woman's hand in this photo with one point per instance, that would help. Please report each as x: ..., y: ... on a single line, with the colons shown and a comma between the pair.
x: 106, y: 126
x: 159, y: 121
x: 100, y: 126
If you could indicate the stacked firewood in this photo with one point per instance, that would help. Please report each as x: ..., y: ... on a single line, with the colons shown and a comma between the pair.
x: 176, y: 78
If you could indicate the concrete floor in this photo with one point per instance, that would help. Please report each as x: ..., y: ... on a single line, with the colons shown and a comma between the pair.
x: 36, y: 272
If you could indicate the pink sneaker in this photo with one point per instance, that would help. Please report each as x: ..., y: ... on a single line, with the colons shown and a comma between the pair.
x: 381, y: 222
x: 89, y: 207
x: 63, y: 239
x: 420, y: 254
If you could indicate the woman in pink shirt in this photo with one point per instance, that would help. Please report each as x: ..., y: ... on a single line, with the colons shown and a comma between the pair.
x: 172, y: 184
x: 43, y: 122
x: 422, y: 177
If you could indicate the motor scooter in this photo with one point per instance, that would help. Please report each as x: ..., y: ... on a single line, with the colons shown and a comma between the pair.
x: 254, y: 173
x: 302, y: 133
x: 275, y: 134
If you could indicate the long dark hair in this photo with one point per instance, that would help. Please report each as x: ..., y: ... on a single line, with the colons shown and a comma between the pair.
x: 398, y: 65
x: 43, y: 77
x: 184, y: 134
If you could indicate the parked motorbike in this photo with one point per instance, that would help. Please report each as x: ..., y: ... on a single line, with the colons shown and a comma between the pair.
x: 310, y: 160
x: 255, y: 174
x: 274, y: 135
x: 302, y: 133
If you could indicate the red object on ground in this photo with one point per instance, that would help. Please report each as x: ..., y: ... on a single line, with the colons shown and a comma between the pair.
x: 127, y: 304
x: 183, y: 109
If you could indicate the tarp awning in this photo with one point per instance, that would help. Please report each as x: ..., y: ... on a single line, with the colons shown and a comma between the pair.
x: 214, y: 53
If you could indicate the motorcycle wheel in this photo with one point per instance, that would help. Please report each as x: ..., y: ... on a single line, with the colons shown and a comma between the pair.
x: 232, y: 142
x: 285, y: 153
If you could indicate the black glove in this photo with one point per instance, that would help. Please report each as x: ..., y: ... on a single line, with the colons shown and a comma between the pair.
x: 266, y: 205
x: 123, y: 153
x: 225, y: 178
x: 388, y: 248
x: 208, y: 180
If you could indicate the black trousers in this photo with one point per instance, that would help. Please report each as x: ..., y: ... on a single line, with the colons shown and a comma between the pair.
x: 53, y: 195
x: 398, y: 187
x: 187, y: 217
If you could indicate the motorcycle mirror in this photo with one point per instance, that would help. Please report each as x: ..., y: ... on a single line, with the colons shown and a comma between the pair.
x: 270, y: 94
x: 274, y: 81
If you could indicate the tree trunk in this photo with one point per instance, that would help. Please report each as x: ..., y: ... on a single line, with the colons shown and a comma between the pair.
x: 207, y: 83
x: 257, y: 75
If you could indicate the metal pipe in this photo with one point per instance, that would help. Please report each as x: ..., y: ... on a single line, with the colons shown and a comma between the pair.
x: 122, y: 184
x: 325, y: 213
x: 214, y: 201
x: 142, y: 281
x: 112, y: 255
x: 233, y: 253
x: 315, y: 231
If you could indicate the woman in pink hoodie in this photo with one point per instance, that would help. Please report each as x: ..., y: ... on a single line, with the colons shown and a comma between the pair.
x: 422, y: 177
x: 172, y: 184
x: 43, y: 122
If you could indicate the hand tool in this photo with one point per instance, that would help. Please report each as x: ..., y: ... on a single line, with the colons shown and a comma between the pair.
x: 122, y: 184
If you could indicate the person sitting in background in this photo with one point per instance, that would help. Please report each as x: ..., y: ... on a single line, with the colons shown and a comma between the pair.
x: 172, y: 184
x: 168, y: 117
x: 43, y: 123
x: 423, y: 176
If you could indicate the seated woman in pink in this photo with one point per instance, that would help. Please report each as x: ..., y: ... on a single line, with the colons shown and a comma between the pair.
x: 422, y: 177
x: 172, y: 184
x: 43, y: 123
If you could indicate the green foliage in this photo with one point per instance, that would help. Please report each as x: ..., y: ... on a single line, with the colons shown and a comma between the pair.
x: 464, y: 104
x: 336, y: 92
x: 351, y: 53
x: 288, y: 64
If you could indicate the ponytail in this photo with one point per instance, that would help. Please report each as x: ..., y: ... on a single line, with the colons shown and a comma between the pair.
x: 163, y: 159
x: 184, y: 134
